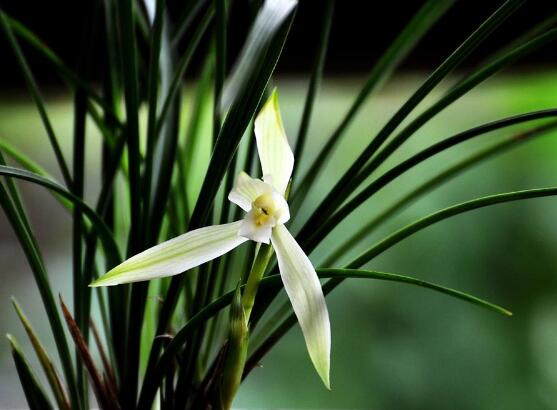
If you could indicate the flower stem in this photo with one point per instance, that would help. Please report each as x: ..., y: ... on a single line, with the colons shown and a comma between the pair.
x: 257, y: 270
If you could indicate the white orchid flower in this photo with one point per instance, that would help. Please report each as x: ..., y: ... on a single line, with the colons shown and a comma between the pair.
x: 266, y: 213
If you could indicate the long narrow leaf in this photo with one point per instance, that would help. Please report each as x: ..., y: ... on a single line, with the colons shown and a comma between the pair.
x: 44, y: 358
x: 274, y: 281
x: 70, y: 77
x: 392, y: 240
x: 110, y: 246
x: 448, y: 213
x: 315, y: 80
x: 405, y: 42
x: 20, y: 224
x: 38, y: 99
x: 377, y: 184
x: 30, y: 165
x: 448, y: 174
x: 34, y: 393
x: 460, y: 89
x: 348, y: 182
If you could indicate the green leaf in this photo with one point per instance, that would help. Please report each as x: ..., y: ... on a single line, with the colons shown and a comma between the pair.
x: 221, y: 33
x: 34, y: 393
x: 274, y: 281
x: 448, y: 174
x: 131, y: 93
x: 12, y: 206
x: 446, y: 213
x: 405, y: 42
x: 190, y: 11
x: 392, y: 240
x: 181, y: 68
x: 353, y: 177
x: 37, y: 97
x: 314, y: 81
x: 152, y: 87
x: 457, y: 91
x: 30, y: 165
x: 65, y: 72
x: 109, y: 244
x: 46, y: 362
x: 336, y: 273
x: 389, y: 176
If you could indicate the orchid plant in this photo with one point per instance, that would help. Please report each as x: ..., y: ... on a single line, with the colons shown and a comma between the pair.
x: 266, y: 213
x: 194, y: 313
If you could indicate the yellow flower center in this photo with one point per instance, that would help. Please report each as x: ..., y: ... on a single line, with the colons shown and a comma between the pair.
x: 264, y: 208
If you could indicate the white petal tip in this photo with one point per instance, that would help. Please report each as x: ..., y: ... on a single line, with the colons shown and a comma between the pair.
x: 326, y: 381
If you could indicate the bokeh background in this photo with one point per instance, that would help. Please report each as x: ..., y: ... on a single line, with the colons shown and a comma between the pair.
x: 394, y: 346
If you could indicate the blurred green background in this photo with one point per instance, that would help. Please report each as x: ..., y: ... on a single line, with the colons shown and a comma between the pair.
x: 394, y: 346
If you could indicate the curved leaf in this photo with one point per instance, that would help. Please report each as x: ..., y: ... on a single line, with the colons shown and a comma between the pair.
x: 274, y: 281
x: 109, y: 244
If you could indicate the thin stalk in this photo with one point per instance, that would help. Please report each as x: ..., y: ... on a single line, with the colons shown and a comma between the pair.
x: 257, y: 270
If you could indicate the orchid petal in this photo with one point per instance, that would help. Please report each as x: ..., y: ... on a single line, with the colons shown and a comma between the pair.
x: 176, y: 255
x: 277, y: 159
x: 305, y: 293
x: 246, y: 190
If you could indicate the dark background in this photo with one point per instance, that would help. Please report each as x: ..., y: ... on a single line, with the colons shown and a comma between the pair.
x: 361, y: 32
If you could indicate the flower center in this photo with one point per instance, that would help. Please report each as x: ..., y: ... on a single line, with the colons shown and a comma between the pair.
x: 263, y: 208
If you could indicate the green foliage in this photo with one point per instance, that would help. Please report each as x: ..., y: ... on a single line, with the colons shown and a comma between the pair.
x: 166, y: 337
